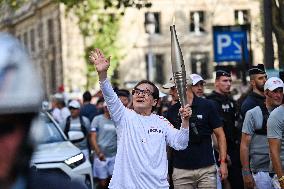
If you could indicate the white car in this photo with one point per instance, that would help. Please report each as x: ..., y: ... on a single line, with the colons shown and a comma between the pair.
x: 55, y: 153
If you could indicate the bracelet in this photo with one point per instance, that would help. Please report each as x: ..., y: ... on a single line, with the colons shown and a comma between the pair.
x: 246, y: 172
x: 223, y: 161
x: 281, y: 178
x: 246, y: 168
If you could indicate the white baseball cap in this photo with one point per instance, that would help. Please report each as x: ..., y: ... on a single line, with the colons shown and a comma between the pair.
x: 74, y: 104
x: 273, y: 83
x: 171, y: 83
x: 195, y: 78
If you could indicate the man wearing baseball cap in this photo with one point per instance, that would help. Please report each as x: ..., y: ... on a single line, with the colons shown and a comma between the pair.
x: 194, y: 167
x: 254, y: 150
x: 275, y: 128
x: 197, y: 84
x: 76, y: 123
x: 172, y: 90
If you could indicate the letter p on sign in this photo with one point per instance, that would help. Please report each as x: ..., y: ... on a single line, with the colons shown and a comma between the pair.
x: 223, y: 41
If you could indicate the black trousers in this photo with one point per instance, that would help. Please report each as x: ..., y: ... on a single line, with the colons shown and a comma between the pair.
x: 235, y: 170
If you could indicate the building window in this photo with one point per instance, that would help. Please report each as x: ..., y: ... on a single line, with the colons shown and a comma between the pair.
x: 19, y: 37
x: 50, y: 29
x: 157, y: 71
x: 199, y: 63
x: 52, y: 75
x: 40, y: 35
x: 32, y: 40
x: 26, y: 39
x: 197, y: 22
x: 159, y: 68
x: 242, y: 17
x: 153, y: 17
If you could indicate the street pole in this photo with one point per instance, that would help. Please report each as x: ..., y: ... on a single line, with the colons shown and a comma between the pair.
x: 150, y: 61
x: 268, y: 43
x: 244, y: 64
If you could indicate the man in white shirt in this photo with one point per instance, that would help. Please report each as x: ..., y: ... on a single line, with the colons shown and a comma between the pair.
x: 141, y: 160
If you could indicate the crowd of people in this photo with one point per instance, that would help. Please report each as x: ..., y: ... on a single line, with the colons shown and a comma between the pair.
x: 229, y: 141
x: 139, y: 140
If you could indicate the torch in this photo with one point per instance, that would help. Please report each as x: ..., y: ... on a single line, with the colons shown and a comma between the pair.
x: 178, y: 67
x: 179, y: 75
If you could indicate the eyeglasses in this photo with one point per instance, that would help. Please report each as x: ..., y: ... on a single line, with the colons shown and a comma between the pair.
x: 137, y: 91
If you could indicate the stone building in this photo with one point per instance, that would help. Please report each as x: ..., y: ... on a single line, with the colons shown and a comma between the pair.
x: 193, y: 21
x: 53, y: 41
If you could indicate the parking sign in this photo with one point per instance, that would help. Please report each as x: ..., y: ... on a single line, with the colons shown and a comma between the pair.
x: 228, y: 43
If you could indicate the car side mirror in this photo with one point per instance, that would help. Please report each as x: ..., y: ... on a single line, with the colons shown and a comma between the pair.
x: 76, y: 136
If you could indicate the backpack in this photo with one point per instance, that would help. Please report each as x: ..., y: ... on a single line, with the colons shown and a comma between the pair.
x: 265, y: 115
x: 67, y: 126
x: 83, y: 129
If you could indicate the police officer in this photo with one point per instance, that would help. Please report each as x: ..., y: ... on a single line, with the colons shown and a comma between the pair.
x: 20, y: 100
x: 226, y: 108
x: 258, y: 78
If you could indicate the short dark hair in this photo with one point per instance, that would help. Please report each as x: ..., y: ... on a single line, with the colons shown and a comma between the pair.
x: 100, y: 100
x: 123, y: 92
x: 156, y: 90
x: 87, y: 97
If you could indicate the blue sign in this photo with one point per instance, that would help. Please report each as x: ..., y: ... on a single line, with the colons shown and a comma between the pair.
x: 230, y: 43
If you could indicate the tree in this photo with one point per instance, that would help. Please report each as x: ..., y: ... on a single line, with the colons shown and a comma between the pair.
x: 14, y: 4
x: 98, y: 21
x: 278, y: 28
x: 99, y: 25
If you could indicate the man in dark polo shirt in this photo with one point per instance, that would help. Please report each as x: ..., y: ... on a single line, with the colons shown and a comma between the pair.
x: 194, y: 167
x: 258, y: 78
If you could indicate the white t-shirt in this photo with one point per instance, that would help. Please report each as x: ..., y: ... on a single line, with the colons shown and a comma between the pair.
x: 141, y: 160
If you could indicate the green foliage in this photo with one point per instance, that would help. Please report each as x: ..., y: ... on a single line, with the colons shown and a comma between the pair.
x: 116, y: 4
x: 105, y: 38
x: 99, y: 22
x: 14, y: 4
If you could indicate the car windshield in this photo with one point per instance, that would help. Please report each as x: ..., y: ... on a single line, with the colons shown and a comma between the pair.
x: 50, y: 133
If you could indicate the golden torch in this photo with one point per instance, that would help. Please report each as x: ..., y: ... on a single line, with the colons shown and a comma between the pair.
x: 178, y: 67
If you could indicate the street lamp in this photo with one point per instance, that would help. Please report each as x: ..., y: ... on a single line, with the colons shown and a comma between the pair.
x: 150, y: 25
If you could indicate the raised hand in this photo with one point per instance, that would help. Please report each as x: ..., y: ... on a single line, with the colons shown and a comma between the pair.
x: 101, y: 63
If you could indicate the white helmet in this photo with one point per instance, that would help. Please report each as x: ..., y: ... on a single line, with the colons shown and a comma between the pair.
x: 20, y: 86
